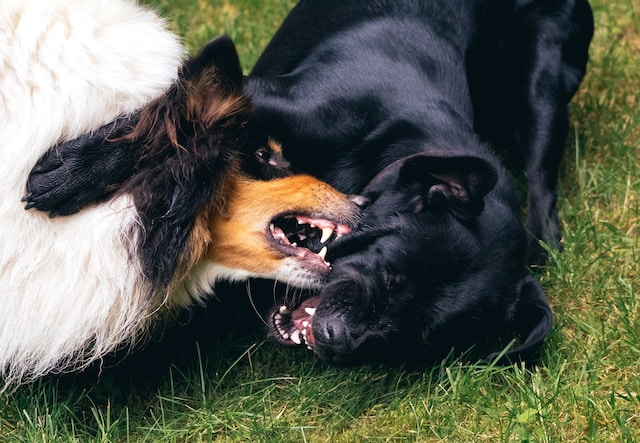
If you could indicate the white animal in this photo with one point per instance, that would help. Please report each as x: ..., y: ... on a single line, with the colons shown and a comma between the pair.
x: 72, y: 288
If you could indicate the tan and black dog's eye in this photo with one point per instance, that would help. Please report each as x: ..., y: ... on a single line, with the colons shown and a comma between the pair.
x: 263, y: 154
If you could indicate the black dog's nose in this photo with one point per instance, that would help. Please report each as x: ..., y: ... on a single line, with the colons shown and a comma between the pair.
x: 331, y: 332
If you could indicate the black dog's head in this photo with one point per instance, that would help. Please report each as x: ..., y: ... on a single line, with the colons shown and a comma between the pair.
x: 431, y: 268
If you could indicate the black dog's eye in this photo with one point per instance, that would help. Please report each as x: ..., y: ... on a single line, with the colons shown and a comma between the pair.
x: 392, y: 281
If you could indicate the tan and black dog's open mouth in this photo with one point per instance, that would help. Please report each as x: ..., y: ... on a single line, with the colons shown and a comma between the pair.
x: 294, y: 326
x: 305, y: 237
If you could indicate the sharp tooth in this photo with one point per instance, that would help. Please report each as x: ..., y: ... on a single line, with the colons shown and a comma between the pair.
x: 285, y: 336
x: 305, y: 325
x: 284, y: 310
x: 300, y: 222
x: 302, y: 237
x: 278, y: 319
x: 294, y: 244
x: 295, y: 337
x: 326, y: 235
x: 310, y: 311
x: 323, y: 253
x: 278, y: 233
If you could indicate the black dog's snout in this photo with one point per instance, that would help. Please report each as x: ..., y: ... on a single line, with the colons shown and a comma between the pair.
x: 332, y: 331
x: 333, y: 341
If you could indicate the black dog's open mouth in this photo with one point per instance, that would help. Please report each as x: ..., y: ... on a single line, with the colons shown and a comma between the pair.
x: 305, y: 237
x: 293, y: 327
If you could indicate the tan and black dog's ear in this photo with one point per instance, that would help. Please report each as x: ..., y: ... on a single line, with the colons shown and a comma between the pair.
x: 219, y: 54
x: 208, y: 91
x: 207, y: 98
x: 210, y: 86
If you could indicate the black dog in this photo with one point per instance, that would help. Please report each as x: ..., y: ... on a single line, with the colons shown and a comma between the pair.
x: 416, y: 105
x: 407, y: 102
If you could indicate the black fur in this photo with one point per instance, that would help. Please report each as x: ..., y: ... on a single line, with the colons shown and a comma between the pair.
x: 417, y: 105
x: 62, y: 182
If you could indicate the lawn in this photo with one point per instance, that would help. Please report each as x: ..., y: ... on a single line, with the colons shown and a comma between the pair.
x: 216, y: 378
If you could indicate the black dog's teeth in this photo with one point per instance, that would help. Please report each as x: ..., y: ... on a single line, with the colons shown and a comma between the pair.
x: 288, y: 329
x: 281, y: 321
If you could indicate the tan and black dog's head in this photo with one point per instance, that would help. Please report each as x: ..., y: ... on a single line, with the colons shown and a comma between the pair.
x: 207, y: 187
x: 212, y: 195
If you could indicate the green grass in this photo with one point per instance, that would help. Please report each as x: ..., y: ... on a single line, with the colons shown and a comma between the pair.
x: 587, y: 387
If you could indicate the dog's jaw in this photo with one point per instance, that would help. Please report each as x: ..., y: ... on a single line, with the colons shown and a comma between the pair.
x: 202, y: 278
x: 290, y: 249
x: 306, y: 238
x: 294, y: 326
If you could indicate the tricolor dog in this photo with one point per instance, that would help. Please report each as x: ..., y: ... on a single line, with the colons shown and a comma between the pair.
x: 194, y: 208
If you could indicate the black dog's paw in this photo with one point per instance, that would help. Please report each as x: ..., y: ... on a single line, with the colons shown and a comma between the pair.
x: 82, y: 171
x: 57, y: 185
x: 539, y: 251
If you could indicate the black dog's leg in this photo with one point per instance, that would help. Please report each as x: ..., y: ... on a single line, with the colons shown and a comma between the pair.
x: 545, y: 55
x: 78, y: 172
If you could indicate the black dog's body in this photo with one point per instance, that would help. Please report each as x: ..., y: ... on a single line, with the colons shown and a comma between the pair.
x: 342, y: 81
x: 416, y: 105
x: 396, y: 100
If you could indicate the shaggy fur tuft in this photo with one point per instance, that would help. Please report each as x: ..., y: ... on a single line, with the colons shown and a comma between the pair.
x: 186, y: 141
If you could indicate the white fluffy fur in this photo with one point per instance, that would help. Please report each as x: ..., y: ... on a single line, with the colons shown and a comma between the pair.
x: 68, y: 291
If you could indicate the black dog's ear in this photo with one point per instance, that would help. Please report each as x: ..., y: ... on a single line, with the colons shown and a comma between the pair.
x: 461, y: 182
x: 532, y: 320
